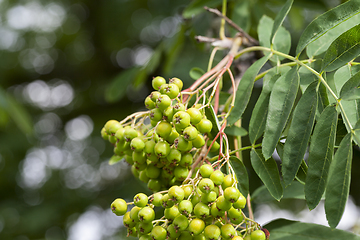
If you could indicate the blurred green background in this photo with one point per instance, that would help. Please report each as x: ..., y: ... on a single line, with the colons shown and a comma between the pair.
x: 66, y: 67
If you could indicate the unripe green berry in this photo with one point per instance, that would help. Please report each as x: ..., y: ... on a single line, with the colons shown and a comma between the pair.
x: 228, y: 181
x: 162, y: 149
x: 176, y: 193
x: 177, y: 82
x: 149, y: 104
x: 154, y: 185
x: 196, y: 226
x: 171, y: 213
x: 201, y: 210
x: 155, y: 115
x: 186, y: 160
x: 195, y: 115
x: 179, y: 107
x: 172, y: 90
x: 127, y: 221
x: 240, y: 203
x: 199, y: 141
x: 235, y: 215
x: 119, y: 206
x: 181, y: 119
x: 163, y: 129
x: 206, y: 185
x: 130, y: 133
x: 158, y: 233
x: 258, y: 235
x: 223, y: 204
x: 231, y: 194
x: 146, y: 214
x: 152, y: 171
x: 181, y: 223
x: 137, y: 144
x: 156, y: 199
x: 181, y: 173
x: 157, y: 82
x: 163, y: 102
x: 217, y: 177
x: 228, y: 231
x: 206, y: 170
x: 134, y: 213
x: 185, y: 207
x: 140, y: 200
x: 204, y: 126
x: 190, y: 133
x: 212, y: 232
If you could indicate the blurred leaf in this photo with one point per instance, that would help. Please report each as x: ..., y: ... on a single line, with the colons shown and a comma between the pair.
x: 155, y: 60
x: 320, y: 155
x: 259, y: 113
x: 344, y: 49
x: 118, y: 86
x: 282, y: 40
x: 197, y: 6
x: 16, y: 112
x: 244, y: 89
x: 282, y: 229
x: 241, y: 15
x: 173, y: 48
x: 281, y: 101
x: 236, y: 131
x: 241, y: 175
x: 267, y: 172
x: 294, y: 191
x: 299, y: 133
x: 195, y: 73
x: 338, y: 185
x: 115, y: 159
x: 350, y: 90
x: 279, y: 19
x: 327, y: 21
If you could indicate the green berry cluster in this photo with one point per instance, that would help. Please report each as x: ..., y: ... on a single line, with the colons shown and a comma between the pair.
x: 166, y: 147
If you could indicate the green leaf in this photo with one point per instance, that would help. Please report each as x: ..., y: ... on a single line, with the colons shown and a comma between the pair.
x: 16, y: 111
x: 279, y: 19
x: 351, y: 90
x: 301, y: 174
x: 115, y: 159
x: 351, y: 107
x: 267, y: 172
x: 236, y: 131
x: 241, y: 175
x: 281, y: 102
x: 197, y: 6
x: 344, y: 49
x: 244, y: 89
x: 117, y: 88
x: 294, y: 191
x: 327, y: 21
x: 320, y: 155
x: 259, y: 113
x: 338, y: 185
x: 282, y: 229
x: 299, y: 133
x: 282, y: 41
x: 195, y: 73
